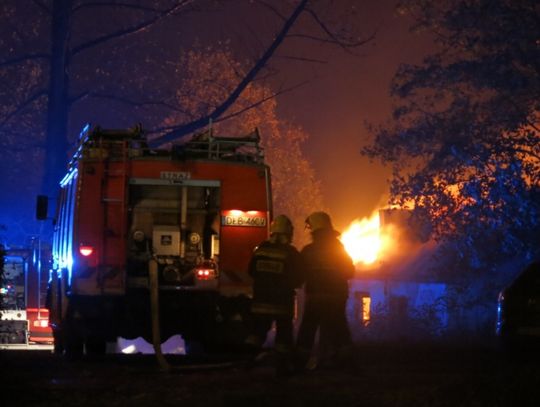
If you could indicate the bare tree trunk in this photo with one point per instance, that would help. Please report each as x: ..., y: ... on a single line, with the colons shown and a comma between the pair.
x: 58, y: 104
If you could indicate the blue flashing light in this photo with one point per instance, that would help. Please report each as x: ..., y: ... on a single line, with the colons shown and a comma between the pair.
x: 66, y: 262
x: 13, y: 259
x: 69, y: 176
x: 63, y: 237
x: 84, y: 131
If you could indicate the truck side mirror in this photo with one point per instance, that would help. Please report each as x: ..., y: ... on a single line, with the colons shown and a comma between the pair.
x: 42, y: 206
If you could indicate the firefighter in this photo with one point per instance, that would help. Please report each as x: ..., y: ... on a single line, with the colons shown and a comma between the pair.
x: 328, y: 268
x: 276, y: 270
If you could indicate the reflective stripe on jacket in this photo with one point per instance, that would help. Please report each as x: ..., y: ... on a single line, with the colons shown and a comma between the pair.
x: 276, y: 270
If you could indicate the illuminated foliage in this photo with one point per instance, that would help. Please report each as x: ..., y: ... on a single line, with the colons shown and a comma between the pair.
x: 209, y: 75
x: 464, y: 142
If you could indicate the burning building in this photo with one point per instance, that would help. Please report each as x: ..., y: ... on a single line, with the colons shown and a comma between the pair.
x: 394, y: 294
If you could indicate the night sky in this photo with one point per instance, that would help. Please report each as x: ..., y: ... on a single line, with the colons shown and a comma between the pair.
x: 348, y: 92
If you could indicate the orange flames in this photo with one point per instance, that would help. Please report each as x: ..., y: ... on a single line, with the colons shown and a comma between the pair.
x: 365, y: 241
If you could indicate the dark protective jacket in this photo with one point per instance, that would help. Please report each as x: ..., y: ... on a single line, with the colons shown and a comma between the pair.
x: 327, y: 265
x: 276, y: 269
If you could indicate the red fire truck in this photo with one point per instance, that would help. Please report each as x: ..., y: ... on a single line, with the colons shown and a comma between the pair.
x: 188, y: 217
x: 24, y: 318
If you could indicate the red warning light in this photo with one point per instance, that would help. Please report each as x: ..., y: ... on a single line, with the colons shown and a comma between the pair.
x: 86, y: 250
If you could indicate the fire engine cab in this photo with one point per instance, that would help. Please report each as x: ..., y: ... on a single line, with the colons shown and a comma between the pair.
x: 192, y: 214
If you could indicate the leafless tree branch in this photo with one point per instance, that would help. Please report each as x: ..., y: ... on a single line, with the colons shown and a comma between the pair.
x: 238, y: 112
x: 273, y: 9
x: 127, y: 101
x: 31, y: 99
x: 270, y: 73
x: 187, y: 128
x: 22, y: 58
x: 83, y: 6
x: 302, y: 59
x: 344, y: 43
x: 260, y: 102
x: 131, y: 30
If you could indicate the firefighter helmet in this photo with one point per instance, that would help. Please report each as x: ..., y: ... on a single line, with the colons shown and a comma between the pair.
x: 319, y: 220
x: 281, y: 224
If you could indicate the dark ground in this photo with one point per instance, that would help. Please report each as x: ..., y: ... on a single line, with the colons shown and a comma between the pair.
x: 390, y: 375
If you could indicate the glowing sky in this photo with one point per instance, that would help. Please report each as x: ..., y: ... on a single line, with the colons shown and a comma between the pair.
x: 351, y: 91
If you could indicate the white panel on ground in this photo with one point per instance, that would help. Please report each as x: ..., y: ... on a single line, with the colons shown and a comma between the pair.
x: 174, y: 345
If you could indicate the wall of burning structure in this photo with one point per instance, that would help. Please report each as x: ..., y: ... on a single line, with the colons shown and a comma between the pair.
x: 406, y: 294
x: 397, y: 296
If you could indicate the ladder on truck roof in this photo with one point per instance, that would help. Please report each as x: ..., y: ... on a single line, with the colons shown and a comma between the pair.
x: 112, y: 143
x: 206, y: 145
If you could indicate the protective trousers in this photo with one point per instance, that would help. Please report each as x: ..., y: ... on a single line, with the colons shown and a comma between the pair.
x: 327, y: 313
x: 284, y: 329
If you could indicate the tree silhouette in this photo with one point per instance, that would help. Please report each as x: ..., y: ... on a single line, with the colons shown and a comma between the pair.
x: 464, y: 139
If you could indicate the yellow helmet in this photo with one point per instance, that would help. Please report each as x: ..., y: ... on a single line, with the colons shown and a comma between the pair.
x: 319, y: 220
x: 281, y: 224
